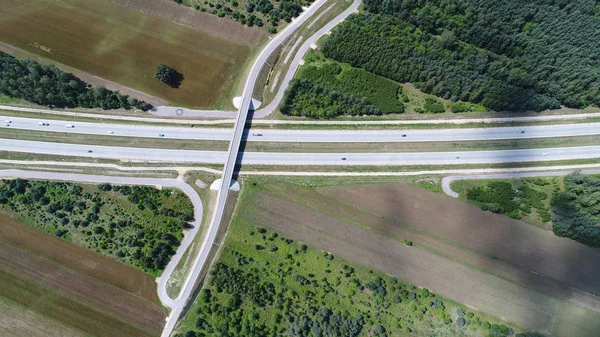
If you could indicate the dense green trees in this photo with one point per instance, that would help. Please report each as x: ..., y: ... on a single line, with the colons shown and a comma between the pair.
x: 508, y: 55
x: 576, y: 211
x: 47, y: 85
x: 305, y: 99
x: 383, y: 94
x: 165, y: 74
x: 109, y: 223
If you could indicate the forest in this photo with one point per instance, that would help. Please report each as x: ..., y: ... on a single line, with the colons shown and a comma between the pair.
x: 576, y: 210
x: 138, y: 225
x: 383, y: 94
x: 47, y: 85
x: 305, y: 99
x: 506, y: 55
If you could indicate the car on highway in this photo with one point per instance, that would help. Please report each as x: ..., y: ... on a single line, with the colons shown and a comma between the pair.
x: 543, y: 154
x: 43, y: 124
x: 403, y: 135
x: 69, y: 126
x: 89, y: 151
x: 457, y: 157
x: 8, y: 121
x: 161, y: 134
x: 110, y: 132
x: 522, y: 131
x: 6, y: 124
x: 257, y: 134
x: 343, y: 158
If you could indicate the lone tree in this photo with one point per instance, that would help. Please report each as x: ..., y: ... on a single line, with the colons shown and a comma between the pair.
x: 166, y: 74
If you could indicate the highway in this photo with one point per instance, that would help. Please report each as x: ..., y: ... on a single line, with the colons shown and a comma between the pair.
x: 318, y: 136
x: 301, y: 159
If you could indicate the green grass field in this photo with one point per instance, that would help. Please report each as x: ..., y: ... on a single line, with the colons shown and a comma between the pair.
x: 125, y: 46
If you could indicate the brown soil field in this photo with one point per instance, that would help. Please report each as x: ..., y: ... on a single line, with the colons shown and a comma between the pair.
x: 124, y: 45
x: 337, y: 230
x: 507, y: 239
x: 436, y: 245
x: 212, y: 24
x: 64, y: 309
x: 118, y: 308
x: 78, y: 259
x: 16, y: 321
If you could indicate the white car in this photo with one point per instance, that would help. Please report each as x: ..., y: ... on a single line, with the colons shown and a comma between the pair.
x: 8, y: 121
x: 543, y: 154
x: 6, y: 124
x: 110, y: 132
x: 69, y: 126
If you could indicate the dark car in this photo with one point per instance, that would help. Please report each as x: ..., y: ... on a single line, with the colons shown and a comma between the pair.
x: 403, y: 135
x: 343, y: 158
x: 522, y: 131
x: 89, y: 151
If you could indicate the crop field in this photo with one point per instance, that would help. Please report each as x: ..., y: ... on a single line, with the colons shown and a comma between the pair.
x: 125, y: 46
x: 81, y: 292
x: 418, y: 254
x: 491, y: 234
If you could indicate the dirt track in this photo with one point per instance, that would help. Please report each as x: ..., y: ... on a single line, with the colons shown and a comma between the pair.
x: 419, y: 266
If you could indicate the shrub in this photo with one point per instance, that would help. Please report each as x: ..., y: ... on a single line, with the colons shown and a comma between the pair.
x: 433, y: 105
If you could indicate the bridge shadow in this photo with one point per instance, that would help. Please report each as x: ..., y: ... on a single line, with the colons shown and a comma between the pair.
x: 243, y: 144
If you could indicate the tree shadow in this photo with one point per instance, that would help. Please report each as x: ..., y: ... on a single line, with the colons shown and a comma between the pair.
x: 176, y: 79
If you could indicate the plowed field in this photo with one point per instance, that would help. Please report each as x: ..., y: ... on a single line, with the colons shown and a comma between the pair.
x: 75, y: 287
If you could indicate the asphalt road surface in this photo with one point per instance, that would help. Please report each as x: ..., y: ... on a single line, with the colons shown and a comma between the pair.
x: 317, y: 136
x: 300, y: 159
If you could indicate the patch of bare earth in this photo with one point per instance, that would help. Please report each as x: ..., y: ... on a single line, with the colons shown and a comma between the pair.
x: 367, y: 239
x: 67, y: 271
x: 183, y: 15
x: 507, y: 239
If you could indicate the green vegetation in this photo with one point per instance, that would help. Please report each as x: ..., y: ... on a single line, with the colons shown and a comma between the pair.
x: 138, y: 225
x: 302, y: 98
x: 576, y: 210
x: 383, y: 94
x: 168, y: 75
x: 434, y: 106
x: 251, y: 12
x: 573, y: 209
x: 507, y: 55
x: 268, y: 285
x: 47, y: 85
x: 516, y: 199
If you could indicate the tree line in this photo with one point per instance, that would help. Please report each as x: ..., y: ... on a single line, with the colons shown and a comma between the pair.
x: 47, y: 85
x: 506, y: 55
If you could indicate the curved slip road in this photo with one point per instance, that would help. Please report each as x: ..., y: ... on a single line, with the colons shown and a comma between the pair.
x: 314, y: 136
x: 300, y: 159
x: 96, y: 179
x: 447, y: 181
